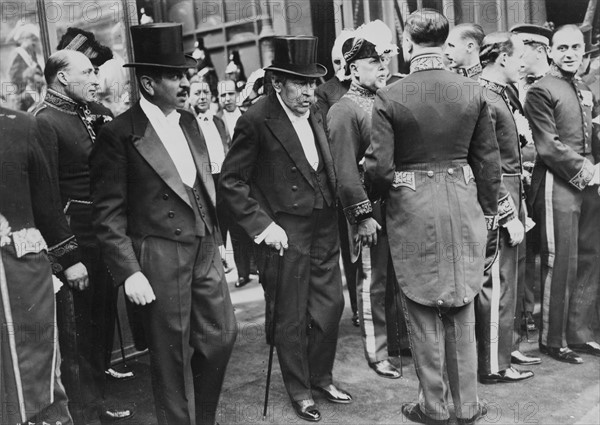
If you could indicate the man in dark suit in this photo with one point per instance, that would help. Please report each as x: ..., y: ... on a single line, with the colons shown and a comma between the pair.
x: 440, y: 196
x: 279, y: 184
x: 155, y: 216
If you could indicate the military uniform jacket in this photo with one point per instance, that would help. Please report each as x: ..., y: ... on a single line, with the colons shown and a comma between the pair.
x: 560, y: 111
x: 434, y: 153
x: 29, y: 203
x: 349, y: 123
x: 507, y: 135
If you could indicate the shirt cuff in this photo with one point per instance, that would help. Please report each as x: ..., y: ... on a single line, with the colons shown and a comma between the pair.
x: 258, y: 239
x: 506, y: 210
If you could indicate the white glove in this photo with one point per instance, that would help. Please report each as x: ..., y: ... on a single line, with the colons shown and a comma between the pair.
x: 516, y: 231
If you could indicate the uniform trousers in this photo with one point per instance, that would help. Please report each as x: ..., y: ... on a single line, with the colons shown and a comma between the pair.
x: 570, y: 260
x: 307, y: 301
x: 86, y: 323
x: 351, y: 270
x: 381, y: 322
x: 190, y: 327
x: 442, y: 341
x: 496, y: 303
x: 29, y: 358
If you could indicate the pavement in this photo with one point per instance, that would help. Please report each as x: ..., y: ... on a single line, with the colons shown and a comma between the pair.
x: 559, y: 393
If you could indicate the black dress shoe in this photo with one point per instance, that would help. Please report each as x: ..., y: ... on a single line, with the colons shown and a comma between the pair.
x: 242, y: 281
x: 517, y: 357
x: 414, y: 413
x: 480, y: 414
x: 335, y: 394
x: 307, y: 410
x: 562, y: 354
x: 505, y: 376
x: 114, y: 415
x: 385, y: 369
x: 355, y: 320
x: 588, y: 348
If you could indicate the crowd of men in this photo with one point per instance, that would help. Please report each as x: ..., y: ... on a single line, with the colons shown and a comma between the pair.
x: 439, y: 188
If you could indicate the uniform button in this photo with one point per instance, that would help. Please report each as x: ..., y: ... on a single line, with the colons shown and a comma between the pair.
x: 430, y: 173
x: 294, y: 188
x: 166, y: 196
x: 450, y: 171
x: 587, y: 134
x: 202, y: 215
x: 171, y: 214
x: 294, y: 169
x: 465, y: 300
x: 295, y: 206
x: 440, y: 302
x: 178, y: 232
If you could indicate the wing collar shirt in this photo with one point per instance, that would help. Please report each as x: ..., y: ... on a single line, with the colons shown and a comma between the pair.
x: 214, y: 144
x: 230, y: 119
x: 304, y: 132
x: 171, y: 135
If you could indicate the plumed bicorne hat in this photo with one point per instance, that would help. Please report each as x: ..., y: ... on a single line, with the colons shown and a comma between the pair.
x: 372, y: 40
x: 85, y: 42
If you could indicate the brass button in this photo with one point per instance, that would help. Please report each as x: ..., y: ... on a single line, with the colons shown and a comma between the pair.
x: 294, y: 169
x: 450, y: 171
x: 177, y: 232
x: 171, y: 214
x: 465, y: 300
x: 295, y: 206
x: 440, y: 302
x: 166, y: 196
x: 587, y: 134
x: 430, y: 173
x: 294, y: 188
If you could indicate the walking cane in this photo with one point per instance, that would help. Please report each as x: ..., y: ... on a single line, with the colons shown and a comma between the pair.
x: 272, y: 332
x: 396, y: 294
x: 120, y: 333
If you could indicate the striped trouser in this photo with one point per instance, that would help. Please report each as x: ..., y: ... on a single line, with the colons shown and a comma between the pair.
x: 371, y: 300
x: 570, y: 260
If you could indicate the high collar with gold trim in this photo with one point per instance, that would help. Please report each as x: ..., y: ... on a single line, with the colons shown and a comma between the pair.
x: 61, y: 102
x: 555, y: 71
x: 359, y: 90
x: 426, y: 62
x: 495, y: 87
x: 471, y: 71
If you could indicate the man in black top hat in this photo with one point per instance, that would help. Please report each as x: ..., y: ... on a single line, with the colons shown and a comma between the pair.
x: 155, y: 217
x: 279, y: 184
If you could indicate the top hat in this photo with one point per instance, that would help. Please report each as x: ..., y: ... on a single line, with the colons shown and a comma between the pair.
x: 85, y: 42
x: 159, y: 45
x: 590, y: 47
x: 530, y: 33
x: 296, y: 55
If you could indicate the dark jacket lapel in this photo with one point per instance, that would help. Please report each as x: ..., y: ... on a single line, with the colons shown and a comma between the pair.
x: 149, y: 145
x: 316, y: 122
x: 222, y: 129
x: 281, y: 127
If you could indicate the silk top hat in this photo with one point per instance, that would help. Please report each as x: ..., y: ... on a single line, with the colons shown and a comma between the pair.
x: 530, y: 33
x: 159, y: 45
x: 296, y: 55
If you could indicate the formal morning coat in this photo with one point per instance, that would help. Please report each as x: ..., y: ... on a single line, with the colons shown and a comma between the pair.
x: 129, y: 156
